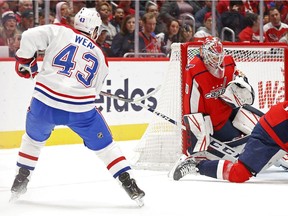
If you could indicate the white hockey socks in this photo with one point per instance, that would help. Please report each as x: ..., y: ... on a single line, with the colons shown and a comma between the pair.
x: 114, y: 159
x: 28, y: 154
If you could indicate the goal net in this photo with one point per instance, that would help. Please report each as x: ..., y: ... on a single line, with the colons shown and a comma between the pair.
x: 263, y: 64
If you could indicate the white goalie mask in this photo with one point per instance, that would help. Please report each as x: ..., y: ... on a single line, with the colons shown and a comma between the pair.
x: 89, y: 22
x: 213, y: 55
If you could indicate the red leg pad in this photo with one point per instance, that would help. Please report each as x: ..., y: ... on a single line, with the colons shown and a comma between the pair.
x: 239, y: 173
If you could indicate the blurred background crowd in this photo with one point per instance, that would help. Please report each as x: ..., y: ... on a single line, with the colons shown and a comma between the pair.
x: 159, y: 22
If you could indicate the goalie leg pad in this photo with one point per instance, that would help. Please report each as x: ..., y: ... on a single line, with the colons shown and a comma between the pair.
x: 199, y: 129
x: 239, y: 173
x: 245, y: 120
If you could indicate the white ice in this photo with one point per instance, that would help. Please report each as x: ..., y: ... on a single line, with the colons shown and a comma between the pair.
x: 70, y: 180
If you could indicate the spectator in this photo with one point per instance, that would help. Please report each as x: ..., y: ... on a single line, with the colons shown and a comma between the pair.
x: 222, y: 6
x: 284, y: 39
x: 123, y: 42
x: 170, y: 36
x: 77, y: 6
x: 186, y: 34
x: 62, y: 13
x: 233, y: 19
x: 203, y: 32
x: 176, y: 10
x: 14, y: 44
x: 27, y: 21
x: 42, y: 17
x: 147, y: 34
x: 252, y: 32
x: 101, y: 41
x: 252, y: 6
x: 22, y: 6
x: 126, y: 6
x: 152, y: 7
x: 283, y: 10
x: 199, y: 16
x: 275, y: 29
x: 117, y: 19
x: 9, y: 31
x: 4, y: 6
x: 105, y: 11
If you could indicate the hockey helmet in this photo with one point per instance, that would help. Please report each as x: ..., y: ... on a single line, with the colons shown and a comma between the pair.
x: 213, y: 55
x: 88, y: 21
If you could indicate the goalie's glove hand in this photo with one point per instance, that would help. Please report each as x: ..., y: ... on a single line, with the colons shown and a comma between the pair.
x: 243, y: 83
x: 238, y: 92
x: 26, y: 68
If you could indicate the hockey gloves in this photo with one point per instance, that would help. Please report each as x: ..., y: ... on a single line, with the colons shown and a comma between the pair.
x: 26, y: 68
x: 238, y: 92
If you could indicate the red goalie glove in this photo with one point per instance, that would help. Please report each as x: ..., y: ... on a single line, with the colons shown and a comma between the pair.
x: 26, y: 68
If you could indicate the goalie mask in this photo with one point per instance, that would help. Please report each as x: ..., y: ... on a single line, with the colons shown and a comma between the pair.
x: 89, y: 22
x: 213, y: 55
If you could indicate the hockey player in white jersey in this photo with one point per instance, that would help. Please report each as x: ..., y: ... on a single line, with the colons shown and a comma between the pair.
x: 72, y: 75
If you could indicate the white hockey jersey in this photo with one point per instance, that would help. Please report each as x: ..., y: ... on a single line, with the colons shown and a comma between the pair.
x: 74, y: 67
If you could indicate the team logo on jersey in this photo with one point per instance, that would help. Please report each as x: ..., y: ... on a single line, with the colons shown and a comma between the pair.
x: 188, y: 66
x: 82, y: 19
x: 215, y: 93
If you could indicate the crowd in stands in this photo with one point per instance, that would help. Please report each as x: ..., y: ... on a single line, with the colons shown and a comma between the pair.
x: 161, y: 22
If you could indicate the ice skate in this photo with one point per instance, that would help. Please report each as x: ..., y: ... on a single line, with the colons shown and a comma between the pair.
x: 282, y: 162
x: 179, y: 161
x: 19, y: 186
x: 188, y: 166
x: 130, y: 186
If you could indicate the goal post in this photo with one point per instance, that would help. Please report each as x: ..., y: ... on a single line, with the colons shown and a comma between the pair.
x: 263, y: 63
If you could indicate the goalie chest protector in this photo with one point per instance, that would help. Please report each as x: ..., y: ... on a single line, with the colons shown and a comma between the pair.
x: 204, y: 90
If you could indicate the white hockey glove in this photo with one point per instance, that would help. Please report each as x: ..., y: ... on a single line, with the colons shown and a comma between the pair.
x: 199, y: 128
x: 238, y: 92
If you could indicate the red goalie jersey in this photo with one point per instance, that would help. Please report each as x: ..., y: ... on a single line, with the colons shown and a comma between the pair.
x: 202, y: 90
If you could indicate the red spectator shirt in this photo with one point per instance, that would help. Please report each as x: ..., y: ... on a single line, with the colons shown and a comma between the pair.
x: 274, y: 34
x: 248, y: 34
x: 151, y: 44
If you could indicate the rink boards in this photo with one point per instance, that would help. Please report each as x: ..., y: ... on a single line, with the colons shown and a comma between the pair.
x: 128, y: 77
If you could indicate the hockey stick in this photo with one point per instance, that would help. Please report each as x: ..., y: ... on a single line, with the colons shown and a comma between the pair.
x: 136, y: 101
x: 226, y: 152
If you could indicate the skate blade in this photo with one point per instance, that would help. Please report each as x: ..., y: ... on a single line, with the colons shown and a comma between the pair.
x: 14, y: 197
x: 180, y: 160
x: 139, y: 202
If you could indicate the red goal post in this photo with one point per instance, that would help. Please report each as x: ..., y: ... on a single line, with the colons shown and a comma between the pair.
x: 265, y: 65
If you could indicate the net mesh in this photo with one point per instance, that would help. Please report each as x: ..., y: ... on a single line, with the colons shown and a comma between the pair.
x: 161, y: 144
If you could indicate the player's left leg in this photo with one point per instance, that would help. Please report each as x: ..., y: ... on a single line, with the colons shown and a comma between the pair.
x: 92, y: 128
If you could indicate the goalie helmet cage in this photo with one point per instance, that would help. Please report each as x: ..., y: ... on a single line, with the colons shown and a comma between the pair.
x: 263, y: 63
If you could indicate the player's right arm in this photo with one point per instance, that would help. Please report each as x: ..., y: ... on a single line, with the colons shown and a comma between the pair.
x: 32, y: 40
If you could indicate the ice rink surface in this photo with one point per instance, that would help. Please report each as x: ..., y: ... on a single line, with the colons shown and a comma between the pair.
x: 71, y: 181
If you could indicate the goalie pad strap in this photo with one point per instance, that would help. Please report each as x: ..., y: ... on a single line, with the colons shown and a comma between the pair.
x: 199, y: 129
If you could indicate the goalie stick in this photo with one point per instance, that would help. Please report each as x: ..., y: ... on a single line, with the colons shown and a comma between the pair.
x: 224, y: 151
